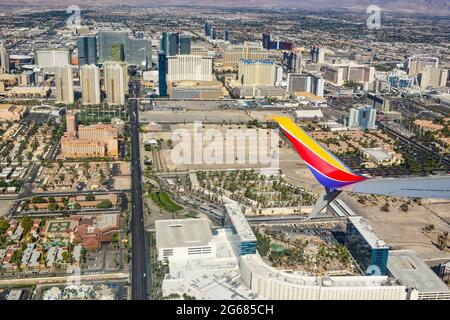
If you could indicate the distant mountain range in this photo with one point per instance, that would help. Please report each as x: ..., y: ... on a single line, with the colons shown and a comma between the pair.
x: 416, y: 6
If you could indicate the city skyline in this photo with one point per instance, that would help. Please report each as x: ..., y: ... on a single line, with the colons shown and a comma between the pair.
x: 440, y: 7
x: 234, y: 154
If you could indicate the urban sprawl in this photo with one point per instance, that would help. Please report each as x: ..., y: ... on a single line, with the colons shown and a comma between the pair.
x: 95, y: 202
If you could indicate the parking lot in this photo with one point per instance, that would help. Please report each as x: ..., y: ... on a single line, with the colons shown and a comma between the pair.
x: 325, y: 232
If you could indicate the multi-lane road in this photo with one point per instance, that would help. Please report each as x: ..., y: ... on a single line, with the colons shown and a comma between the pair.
x: 139, y: 268
x: 418, y: 146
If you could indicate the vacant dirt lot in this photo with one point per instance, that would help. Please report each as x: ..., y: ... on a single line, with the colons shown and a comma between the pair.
x: 404, y: 230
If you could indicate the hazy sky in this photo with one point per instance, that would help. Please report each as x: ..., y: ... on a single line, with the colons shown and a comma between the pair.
x: 438, y: 6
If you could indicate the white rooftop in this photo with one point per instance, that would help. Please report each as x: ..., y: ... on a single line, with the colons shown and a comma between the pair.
x: 182, y: 233
x: 77, y: 253
x: 367, y: 232
x: 377, y: 154
x: 209, y: 278
x: 307, y: 279
x: 239, y: 222
x: 412, y: 272
x: 225, y: 285
x: 309, y: 113
x: 15, y: 294
x: 107, y: 220
x: 19, y: 57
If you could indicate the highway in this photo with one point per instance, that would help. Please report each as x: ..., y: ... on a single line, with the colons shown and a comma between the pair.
x: 291, y: 219
x: 421, y: 147
x: 64, y: 278
x: 72, y: 193
x: 139, y: 268
x: 27, y: 193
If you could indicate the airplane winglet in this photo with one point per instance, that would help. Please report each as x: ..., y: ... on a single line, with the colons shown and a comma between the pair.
x: 326, y: 168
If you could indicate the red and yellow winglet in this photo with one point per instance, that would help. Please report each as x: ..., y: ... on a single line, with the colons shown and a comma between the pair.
x: 327, y: 169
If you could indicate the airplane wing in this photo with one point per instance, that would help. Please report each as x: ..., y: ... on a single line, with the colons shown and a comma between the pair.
x: 336, y: 177
x: 415, y: 187
x: 325, y: 167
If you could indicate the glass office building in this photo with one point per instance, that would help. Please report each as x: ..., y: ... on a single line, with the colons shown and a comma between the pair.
x: 367, y: 249
x: 117, y: 52
x: 208, y: 27
x: 363, y: 117
x: 266, y: 40
x: 106, y: 39
x: 162, y: 73
x: 163, y: 42
x: 185, y: 44
x: 139, y: 52
x: 173, y: 43
x: 236, y: 221
x: 248, y: 247
x: 399, y: 81
x: 87, y: 50
x: 136, y: 51
x: 226, y: 35
x: 170, y: 42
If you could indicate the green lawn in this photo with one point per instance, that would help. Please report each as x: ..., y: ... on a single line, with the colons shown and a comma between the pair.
x: 95, y: 114
x: 277, y: 248
x: 163, y: 200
